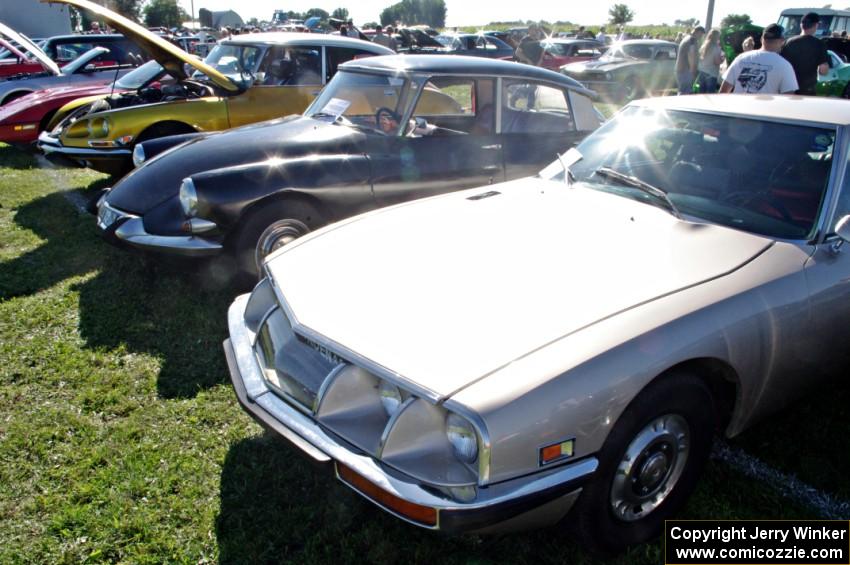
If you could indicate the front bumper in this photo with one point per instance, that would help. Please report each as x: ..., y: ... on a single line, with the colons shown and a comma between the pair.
x: 129, y: 229
x: 531, y: 501
x: 25, y: 132
x: 108, y: 161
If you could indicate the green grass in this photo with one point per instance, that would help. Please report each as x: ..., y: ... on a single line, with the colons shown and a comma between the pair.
x: 121, y: 440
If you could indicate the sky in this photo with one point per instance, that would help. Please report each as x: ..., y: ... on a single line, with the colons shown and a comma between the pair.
x: 479, y: 12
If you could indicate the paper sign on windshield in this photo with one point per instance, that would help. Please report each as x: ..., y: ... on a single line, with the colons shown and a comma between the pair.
x: 336, y: 107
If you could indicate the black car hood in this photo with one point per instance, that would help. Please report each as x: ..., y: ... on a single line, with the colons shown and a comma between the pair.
x: 158, y: 180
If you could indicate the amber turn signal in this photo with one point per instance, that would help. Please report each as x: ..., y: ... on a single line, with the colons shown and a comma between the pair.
x: 424, y: 515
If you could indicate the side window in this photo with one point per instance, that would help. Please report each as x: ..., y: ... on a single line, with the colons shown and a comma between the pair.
x: 70, y: 51
x: 339, y: 55
x: 529, y: 107
x: 456, y: 105
x: 292, y: 66
x: 447, y: 96
x: 308, y: 65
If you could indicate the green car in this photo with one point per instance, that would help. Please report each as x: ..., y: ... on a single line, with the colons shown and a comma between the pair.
x: 732, y: 37
x: 837, y: 81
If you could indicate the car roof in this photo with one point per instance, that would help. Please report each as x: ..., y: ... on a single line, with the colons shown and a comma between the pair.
x: 813, y: 109
x: 818, y: 11
x: 290, y: 38
x: 569, y: 40
x: 460, y: 64
x: 645, y: 42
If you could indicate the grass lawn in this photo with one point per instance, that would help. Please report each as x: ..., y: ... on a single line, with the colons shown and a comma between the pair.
x: 121, y: 439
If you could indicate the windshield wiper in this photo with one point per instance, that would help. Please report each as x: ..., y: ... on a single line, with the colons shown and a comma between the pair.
x: 635, y: 182
x: 569, y: 177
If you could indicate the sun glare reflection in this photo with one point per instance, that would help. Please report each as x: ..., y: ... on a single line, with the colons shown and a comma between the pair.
x: 631, y: 132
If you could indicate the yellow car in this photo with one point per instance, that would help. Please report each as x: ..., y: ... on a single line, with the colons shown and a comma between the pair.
x: 246, y: 79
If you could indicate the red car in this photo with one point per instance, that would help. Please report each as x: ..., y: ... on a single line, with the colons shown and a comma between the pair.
x: 558, y: 52
x: 17, y: 62
x: 22, y: 119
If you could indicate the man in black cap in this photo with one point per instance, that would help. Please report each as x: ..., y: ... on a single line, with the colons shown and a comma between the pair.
x: 807, y: 54
x: 763, y: 71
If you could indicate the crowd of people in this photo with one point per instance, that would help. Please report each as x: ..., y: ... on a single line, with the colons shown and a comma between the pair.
x: 779, y: 66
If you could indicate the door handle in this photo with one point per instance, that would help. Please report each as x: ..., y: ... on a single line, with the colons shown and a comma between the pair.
x: 494, y: 146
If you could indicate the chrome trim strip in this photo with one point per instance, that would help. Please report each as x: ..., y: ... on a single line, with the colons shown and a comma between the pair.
x: 263, y: 321
x: 486, y: 447
x: 391, y: 423
x: 837, y: 180
x: 317, y: 403
x: 53, y: 145
x: 133, y: 232
x: 498, y: 103
x: 307, y: 434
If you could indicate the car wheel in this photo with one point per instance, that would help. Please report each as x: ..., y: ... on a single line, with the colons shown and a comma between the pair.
x: 268, y: 229
x: 633, y: 89
x: 648, y: 465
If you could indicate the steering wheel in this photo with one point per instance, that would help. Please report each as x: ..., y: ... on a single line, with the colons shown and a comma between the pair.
x: 743, y: 198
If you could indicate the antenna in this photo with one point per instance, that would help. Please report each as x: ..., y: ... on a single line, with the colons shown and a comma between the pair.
x: 114, y: 80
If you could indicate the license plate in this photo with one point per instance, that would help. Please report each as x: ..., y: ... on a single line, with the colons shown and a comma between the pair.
x: 106, y: 217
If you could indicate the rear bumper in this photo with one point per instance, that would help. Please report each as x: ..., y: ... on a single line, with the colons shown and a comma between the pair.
x: 109, y: 161
x: 532, y: 501
x: 124, y: 228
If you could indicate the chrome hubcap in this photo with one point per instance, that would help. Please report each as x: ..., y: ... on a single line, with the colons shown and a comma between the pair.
x: 650, y: 468
x: 276, y: 236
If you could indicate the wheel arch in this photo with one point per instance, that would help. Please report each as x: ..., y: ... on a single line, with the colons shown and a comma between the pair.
x: 15, y: 94
x: 170, y: 127
x: 720, y: 377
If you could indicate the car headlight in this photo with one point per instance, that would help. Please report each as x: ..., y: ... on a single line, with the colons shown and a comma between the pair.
x: 609, y: 76
x: 138, y: 155
x: 462, y: 437
x: 98, y: 127
x: 188, y: 197
x: 390, y: 397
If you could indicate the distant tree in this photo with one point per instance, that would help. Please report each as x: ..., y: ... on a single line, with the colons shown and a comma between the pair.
x: 165, y: 13
x: 736, y: 20
x: 127, y: 8
x: 253, y: 22
x: 369, y: 25
x: 412, y: 12
x: 620, y: 14
x: 340, y: 14
x: 689, y: 23
x: 316, y: 13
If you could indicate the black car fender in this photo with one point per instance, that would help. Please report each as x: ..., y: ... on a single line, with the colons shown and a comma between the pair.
x: 154, y: 147
x: 336, y: 185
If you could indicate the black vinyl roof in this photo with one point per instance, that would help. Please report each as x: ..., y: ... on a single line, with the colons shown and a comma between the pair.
x: 459, y: 64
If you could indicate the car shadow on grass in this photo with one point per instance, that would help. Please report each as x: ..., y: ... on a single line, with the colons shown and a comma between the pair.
x: 17, y: 158
x: 278, y: 505
x: 174, y: 314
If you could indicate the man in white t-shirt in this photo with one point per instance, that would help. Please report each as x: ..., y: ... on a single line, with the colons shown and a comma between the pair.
x: 764, y: 71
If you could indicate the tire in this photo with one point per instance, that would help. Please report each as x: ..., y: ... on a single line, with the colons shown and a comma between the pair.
x: 633, y: 89
x: 268, y: 228
x: 623, y: 506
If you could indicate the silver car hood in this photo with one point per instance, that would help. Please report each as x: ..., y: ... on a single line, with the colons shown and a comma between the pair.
x: 446, y: 290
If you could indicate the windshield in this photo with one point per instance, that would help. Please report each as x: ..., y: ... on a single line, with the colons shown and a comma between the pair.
x: 358, y: 97
x: 791, y: 24
x: 237, y: 62
x: 762, y: 177
x: 140, y: 77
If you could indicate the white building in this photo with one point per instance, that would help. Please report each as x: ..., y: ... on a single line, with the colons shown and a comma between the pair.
x: 34, y: 18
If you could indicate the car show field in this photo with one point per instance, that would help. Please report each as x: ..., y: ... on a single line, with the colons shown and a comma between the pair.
x: 121, y: 439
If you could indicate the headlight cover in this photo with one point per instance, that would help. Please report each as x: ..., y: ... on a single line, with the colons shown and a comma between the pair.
x: 462, y: 437
x: 98, y: 127
x: 390, y: 397
x: 138, y: 155
x: 188, y: 197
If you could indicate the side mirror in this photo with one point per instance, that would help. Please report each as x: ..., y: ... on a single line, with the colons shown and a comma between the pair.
x: 842, y: 228
x: 90, y: 68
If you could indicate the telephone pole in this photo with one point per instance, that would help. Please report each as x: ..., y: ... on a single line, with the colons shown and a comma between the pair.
x: 710, y: 15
